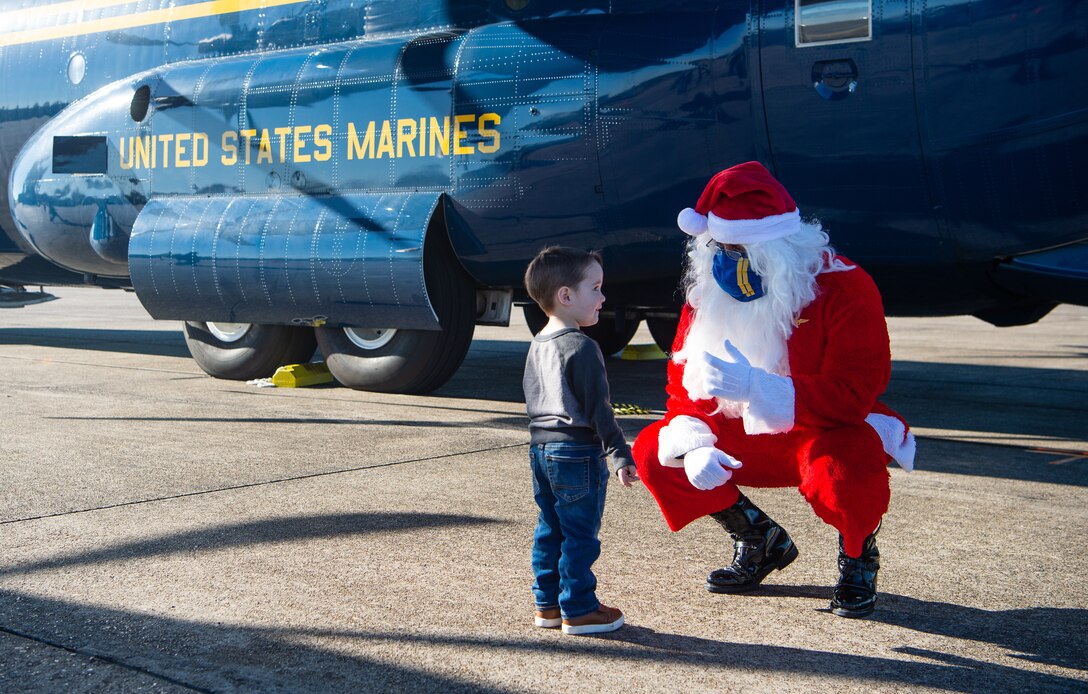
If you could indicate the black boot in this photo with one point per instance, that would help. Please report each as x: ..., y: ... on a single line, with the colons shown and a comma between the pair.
x: 855, y: 593
x: 760, y: 546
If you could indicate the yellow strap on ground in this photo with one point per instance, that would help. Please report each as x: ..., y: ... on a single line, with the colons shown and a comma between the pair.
x: 627, y: 408
x: 301, y: 375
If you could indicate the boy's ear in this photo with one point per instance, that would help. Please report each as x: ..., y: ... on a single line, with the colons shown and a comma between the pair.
x: 563, y: 295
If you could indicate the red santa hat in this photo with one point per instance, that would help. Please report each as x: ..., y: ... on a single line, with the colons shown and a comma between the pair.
x: 743, y: 204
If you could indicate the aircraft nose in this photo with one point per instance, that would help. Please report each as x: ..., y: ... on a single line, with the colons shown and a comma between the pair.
x: 64, y: 201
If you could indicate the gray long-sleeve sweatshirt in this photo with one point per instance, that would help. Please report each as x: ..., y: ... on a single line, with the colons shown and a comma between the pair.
x: 566, y: 395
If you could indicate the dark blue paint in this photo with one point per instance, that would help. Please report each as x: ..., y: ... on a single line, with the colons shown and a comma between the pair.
x: 301, y: 259
x: 953, y: 140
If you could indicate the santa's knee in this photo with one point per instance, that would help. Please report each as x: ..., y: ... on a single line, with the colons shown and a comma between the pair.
x: 644, y: 451
x: 844, y: 476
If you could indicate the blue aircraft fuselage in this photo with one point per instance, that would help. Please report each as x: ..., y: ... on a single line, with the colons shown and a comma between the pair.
x: 270, y: 161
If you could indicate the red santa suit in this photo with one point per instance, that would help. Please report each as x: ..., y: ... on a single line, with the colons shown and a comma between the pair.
x: 818, y: 426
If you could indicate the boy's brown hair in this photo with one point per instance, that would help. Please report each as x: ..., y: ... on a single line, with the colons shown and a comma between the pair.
x: 555, y: 267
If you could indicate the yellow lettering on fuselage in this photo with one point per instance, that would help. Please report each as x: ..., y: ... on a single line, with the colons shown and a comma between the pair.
x: 321, y: 139
x: 406, y: 136
x: 385, y: 141
x: 429, y: 136
x: 440, y: 135
x: 282, y: 133
x: 229, y: 144
x: 365, y: 150
x: 248, y: 134
x: 486, y: 132
x: 459, y: 133
x: 264, y: 148
x: 300, y: 143
x: 200, y: 149
x: 181, y: 149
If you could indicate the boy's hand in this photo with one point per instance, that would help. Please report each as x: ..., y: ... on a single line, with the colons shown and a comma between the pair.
x: 627, y: 475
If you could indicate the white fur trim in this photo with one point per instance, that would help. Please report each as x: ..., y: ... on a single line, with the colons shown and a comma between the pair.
x: 681, y: 435
x: 898, y: 442
x: 742, y: 231
x: 691, y: 222
x: 771, y: 407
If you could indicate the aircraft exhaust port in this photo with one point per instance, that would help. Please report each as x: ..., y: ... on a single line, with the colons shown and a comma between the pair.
x: 260, y: 280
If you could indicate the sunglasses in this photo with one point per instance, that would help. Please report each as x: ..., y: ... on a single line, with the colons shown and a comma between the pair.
x: 731, y: 253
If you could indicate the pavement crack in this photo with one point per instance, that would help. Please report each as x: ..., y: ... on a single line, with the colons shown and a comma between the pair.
x: 104, y: 659
x: 264, y: 483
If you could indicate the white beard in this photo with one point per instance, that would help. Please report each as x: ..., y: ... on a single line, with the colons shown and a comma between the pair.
x: 761, y: 328
x: 750, y: 326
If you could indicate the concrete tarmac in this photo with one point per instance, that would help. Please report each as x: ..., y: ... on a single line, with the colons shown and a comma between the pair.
x: 161, y: 530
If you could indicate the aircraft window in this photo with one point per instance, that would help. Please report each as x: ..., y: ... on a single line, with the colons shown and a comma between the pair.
x: 77, y: 68
x: 141, y: 100
x: 833, y: 21
x: 79, y: 154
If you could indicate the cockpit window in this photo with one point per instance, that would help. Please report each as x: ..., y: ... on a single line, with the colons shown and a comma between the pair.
x: 833, y: 21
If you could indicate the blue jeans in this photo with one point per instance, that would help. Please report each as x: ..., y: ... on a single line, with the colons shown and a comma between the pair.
x: 569, y: 484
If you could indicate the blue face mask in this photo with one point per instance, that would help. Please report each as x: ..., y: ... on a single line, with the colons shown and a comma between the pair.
x: 733, y: 274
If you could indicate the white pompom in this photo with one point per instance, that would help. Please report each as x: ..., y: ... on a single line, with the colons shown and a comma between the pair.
x: 691, y: 222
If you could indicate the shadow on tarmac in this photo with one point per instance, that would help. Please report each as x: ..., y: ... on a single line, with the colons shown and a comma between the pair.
x: 1001, y: 462
x: 163, y: 343
x: 220, y: 657
x: 267, y: 531
x: 510, y: 422
x: 200, y: 656
x: 999, y: 399
x: 492, y: 371
x: 1047, y: 635
x: 987, y: 399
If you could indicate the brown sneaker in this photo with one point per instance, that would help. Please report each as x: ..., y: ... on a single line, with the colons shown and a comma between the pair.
x: 604, y: 619
x: 548, y: 618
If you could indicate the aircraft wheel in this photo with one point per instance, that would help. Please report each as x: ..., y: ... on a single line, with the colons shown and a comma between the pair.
x: 535, y: 317
x: 604, y: 332
x: 242, y: 351
x: 608, y: 337
x: 663, y: 330
x: 408, y: 361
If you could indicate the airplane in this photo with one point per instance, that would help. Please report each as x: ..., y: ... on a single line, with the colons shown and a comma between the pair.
x: 374, y: 175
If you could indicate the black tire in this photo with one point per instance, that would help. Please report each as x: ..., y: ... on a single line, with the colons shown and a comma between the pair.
x: 609, y: 337
x: 256, y: 354
x: 663, y: 330
x: 412, y: 361
x: 535, y: 317
x: 604, y: 333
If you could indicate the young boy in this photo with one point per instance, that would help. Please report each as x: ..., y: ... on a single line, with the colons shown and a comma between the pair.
x: 572, y: 427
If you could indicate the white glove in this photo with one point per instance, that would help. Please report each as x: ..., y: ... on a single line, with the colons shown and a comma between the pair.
x: 684, y: 433
x: 729, y: 380
x: 704, y: 467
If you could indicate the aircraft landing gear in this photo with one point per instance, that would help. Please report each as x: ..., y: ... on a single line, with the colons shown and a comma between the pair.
x: 663, y: 330
x: 242, y: 351
x: 394, y: 361
x: 604, y: 333
x: 409, y: 361
x: 609, y: 337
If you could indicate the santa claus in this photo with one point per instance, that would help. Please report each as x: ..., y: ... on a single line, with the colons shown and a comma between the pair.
x: 781, y: 353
